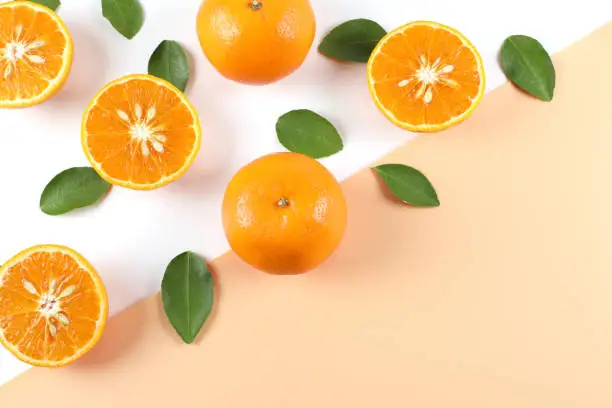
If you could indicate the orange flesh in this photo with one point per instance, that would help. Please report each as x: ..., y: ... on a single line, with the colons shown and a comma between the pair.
x: 151, y: 109
x: 33, y: 51
x: 47, y: 289
x: 401, y: 64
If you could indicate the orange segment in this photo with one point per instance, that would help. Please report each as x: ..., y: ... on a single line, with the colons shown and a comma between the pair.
x: 35, y: 54
x: 141, y: 132
x: 53, y: 306
x: 426, y: 77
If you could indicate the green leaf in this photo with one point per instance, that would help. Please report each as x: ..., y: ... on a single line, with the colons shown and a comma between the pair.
x: 52, y: 4
x: 303, y: 131
x: 527, y: 64
x: 353, y: 40
x: 169, y: 61
x: 187, y: 294
x: 73, y: 188
x: 125, y: 15
x: 409, y: 185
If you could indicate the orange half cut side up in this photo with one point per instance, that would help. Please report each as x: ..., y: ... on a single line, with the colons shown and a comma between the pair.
x: 141, y: 132
x: 426, y: 77
x: 36, y: 52
x: 53, y: 306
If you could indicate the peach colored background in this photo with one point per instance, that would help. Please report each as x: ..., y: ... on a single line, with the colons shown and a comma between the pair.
x: 502, y: 297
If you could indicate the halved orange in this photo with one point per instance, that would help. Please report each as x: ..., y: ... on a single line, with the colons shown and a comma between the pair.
x: 141, y: 132
x: 35, y: 54
x: 426, y: 77
x: 53, y: 306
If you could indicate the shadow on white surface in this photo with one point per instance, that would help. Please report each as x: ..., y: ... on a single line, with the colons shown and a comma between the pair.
x: 131, y: 236
x: 218, y: 138
x: 89, y: 68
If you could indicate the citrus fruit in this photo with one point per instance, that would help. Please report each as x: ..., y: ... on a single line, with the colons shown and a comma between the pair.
x: 53, y: 306
x: 256, y: 41
x: 35, y: 54
x: 426, y: 77
x: 140, y: 132
x: 284, y: 213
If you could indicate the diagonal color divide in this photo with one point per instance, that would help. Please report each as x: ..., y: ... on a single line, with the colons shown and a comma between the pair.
x: 499, y: 298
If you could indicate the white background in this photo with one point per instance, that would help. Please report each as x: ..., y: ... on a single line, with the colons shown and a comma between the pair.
x: 131, y: 236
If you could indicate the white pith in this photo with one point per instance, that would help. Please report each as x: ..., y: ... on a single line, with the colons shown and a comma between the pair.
x: 18, y: 49
x: 144, y: 133
x: 428, y: 75
x: 50, y: 303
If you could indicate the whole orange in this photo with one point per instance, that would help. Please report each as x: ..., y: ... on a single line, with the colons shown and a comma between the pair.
x: 284, y: 213
x: 256, y: 41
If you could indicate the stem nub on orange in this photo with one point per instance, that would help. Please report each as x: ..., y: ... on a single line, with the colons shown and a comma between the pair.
x: 53, y: 306
x: 35, y: 54
x: 256, y: 41
x: 284, y: 213
x: 426, y: 77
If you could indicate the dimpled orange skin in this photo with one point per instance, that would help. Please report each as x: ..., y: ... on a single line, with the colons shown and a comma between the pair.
x: 284, y: 214
x: 256, y: 41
